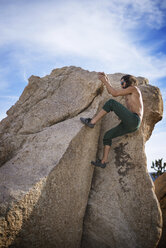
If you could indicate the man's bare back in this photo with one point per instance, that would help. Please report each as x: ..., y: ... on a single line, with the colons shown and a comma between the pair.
x: 134, y: 101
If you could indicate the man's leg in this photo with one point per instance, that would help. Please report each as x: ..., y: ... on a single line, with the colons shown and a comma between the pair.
x: 91, y: 122
x: 119, y: 130
x: 124, y: 127
x: 98, y: 116
x: 105, y: 154
x: 112, y: 105
x: 102, y: 163
x: 121, y: 111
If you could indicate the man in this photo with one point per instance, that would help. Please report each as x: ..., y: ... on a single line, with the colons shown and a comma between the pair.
x: 130, y: 116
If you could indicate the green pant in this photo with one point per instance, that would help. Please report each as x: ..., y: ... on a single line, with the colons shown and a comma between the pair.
x: 130, y: 121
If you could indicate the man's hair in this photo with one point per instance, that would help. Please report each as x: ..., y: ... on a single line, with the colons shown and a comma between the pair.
x: 130, y: 80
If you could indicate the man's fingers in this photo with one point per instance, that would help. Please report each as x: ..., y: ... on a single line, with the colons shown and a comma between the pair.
x: 101, y: 76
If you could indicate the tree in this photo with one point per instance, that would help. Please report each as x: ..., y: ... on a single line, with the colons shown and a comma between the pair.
x: 159, y: 167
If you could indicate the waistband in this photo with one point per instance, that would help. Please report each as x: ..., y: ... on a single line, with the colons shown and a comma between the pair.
x: 137, y: 115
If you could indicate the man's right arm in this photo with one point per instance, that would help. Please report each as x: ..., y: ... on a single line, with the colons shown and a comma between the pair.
x: 105, y: 81
x: 122, y: 92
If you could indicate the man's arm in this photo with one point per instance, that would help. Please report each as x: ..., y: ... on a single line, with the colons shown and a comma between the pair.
x: 122, y: 92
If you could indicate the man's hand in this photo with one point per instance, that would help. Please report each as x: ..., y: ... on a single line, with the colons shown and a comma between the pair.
x: 102, y: 77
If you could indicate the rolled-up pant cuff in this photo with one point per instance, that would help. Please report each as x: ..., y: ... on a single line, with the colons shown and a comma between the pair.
x: 107, y: 143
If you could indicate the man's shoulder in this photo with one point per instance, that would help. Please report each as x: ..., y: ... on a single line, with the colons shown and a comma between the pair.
x: 135, y: 89
x: 132, y: 89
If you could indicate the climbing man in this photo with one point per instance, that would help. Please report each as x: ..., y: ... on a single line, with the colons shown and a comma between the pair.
x: 130, y: 116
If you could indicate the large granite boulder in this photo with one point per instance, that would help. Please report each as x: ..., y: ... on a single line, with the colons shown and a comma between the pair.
x: 46, y: 176
x: 160, y: 190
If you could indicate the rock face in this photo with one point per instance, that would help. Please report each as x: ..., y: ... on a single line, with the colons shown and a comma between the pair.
x: 46, y: 176
x: 46, y: 101
x: 45, y: 184
x: 160, y: 190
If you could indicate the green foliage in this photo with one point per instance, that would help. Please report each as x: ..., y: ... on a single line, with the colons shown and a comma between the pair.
x: 159, y: 167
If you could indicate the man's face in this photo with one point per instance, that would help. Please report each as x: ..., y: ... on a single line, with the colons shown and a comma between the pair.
x: 123, y: 83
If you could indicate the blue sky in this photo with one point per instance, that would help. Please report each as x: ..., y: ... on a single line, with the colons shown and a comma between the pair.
x: 127, y: 36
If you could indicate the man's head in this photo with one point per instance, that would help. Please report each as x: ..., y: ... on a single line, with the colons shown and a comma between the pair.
x: 128, y: 80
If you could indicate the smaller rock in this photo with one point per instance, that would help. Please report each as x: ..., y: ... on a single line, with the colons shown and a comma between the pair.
x: 160, y: 190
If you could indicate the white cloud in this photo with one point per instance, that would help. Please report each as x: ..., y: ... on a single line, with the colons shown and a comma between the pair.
x: 155, y: 148
x: 2, y: 115
x: 96, y: 30
x: 3, y: 82
x: 5, y: 103
x: 9, y: 98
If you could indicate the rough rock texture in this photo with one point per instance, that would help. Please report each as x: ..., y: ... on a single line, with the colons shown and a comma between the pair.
x: 45, y: 184
x: 46, y: 176
x: 122, y: 209
x: 160, y: 190
x: 63, y: 94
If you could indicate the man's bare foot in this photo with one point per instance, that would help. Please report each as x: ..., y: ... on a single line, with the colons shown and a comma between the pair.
x: 92, y: 122
x: 104, y: 161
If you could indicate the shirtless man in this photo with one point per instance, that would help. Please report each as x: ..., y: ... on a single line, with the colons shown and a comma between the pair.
x: 130, y: 117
